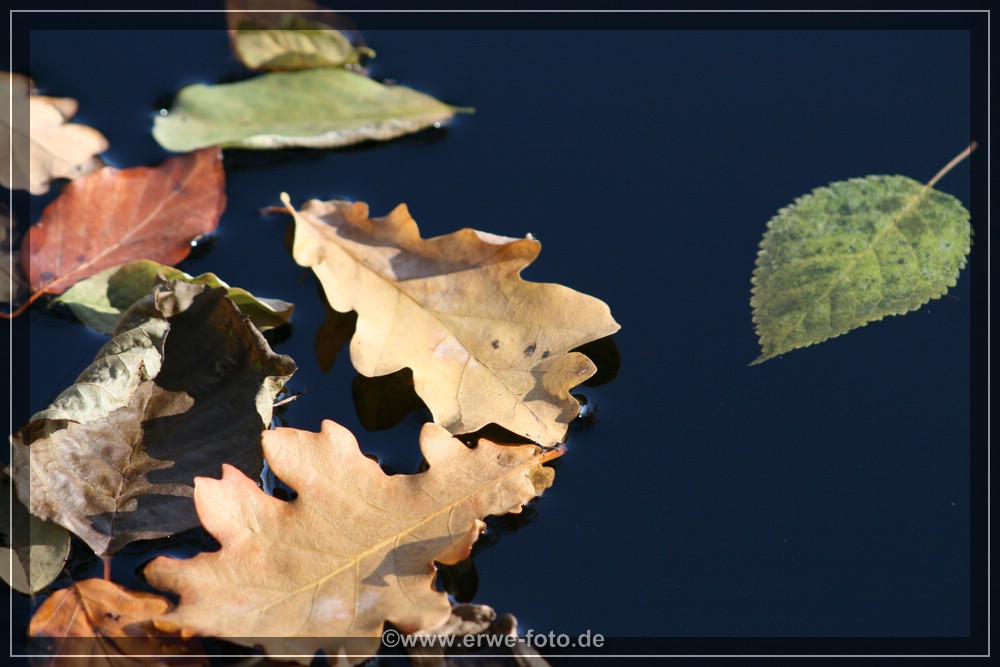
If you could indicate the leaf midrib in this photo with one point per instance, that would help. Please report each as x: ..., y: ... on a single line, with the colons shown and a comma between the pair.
x: 355, y: 561
x: 123, y: 240
x: 869, y: 248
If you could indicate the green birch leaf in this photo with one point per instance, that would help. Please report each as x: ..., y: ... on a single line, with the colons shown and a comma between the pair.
x: 318, y: 108
x: 852, y: 253
x: 35, y: 551
x: 101, y: 299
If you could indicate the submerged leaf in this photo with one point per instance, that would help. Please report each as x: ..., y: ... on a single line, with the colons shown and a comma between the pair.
x: 355, y: 549
x: 274, y: 35
x: 852, y: 253
x: 185, y: 385
x: 34, y: 551
x: 101, y: 299
x: 106, y: 624
x: 115, y: 216
x: 45, y: 146
x: 483, y: 344
x: 318, y: 108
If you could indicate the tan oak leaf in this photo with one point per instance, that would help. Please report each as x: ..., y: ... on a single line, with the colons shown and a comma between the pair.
x: 355, y: 549
x: 483, y: 344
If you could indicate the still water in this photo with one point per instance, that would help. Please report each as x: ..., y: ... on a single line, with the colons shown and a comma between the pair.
x: 825, y: 493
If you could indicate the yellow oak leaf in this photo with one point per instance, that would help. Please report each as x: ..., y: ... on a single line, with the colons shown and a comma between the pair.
x: 355, y: 549
x: 483, y: 344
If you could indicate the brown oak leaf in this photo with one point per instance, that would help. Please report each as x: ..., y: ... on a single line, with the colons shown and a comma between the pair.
x: 355, y: 549
x: 483, y: 344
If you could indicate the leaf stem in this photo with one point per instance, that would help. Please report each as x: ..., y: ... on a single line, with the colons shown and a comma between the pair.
x: 23, y: 307
x: 107, y: 567
x: 951, y: 165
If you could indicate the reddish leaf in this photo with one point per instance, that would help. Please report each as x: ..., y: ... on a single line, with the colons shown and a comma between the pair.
x: 99, y: 623
x: 115, y: 216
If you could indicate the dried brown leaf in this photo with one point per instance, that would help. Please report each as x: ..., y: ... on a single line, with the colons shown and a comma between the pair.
x: 97, y: 623
x: 483, y: 344
x: 115, y: 216
x: 186, y: 385
x: 55, y: 148
x: 355, y: 549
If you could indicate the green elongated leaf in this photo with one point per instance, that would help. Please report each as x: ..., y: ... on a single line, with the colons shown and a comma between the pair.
x: 115, y: 473
x: 101, y: 299
x: 852, y: 253
x: 319, y: 108
x: 35, y: 551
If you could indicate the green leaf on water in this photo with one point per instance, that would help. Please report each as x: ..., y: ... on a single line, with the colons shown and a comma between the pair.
x: 291, y: 42
x: 852, y: 253
x: 291, y: 35
x: 318, y: 108
x: 101, y: 299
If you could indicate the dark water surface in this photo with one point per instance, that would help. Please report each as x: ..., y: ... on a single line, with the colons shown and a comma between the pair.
x: 825, y: 493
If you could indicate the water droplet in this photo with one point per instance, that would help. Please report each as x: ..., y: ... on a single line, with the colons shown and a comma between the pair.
x: 437, y: 125
x: 163, y: 112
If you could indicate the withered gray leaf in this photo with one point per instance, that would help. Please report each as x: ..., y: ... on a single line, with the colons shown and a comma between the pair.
x: 114, y: 475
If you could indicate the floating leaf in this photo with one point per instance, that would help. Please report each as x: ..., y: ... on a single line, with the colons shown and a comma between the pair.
x: 114, y: 216
x: 101, y: 299
x: 53, y: 149
x: 483, y: 344
x: 319, y: 108
x: 356, y: 548
x: 185, y: 385
x: 100, y: 623
x: 852, y: 253
x: 35, y: 551
x: 263, y: 37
